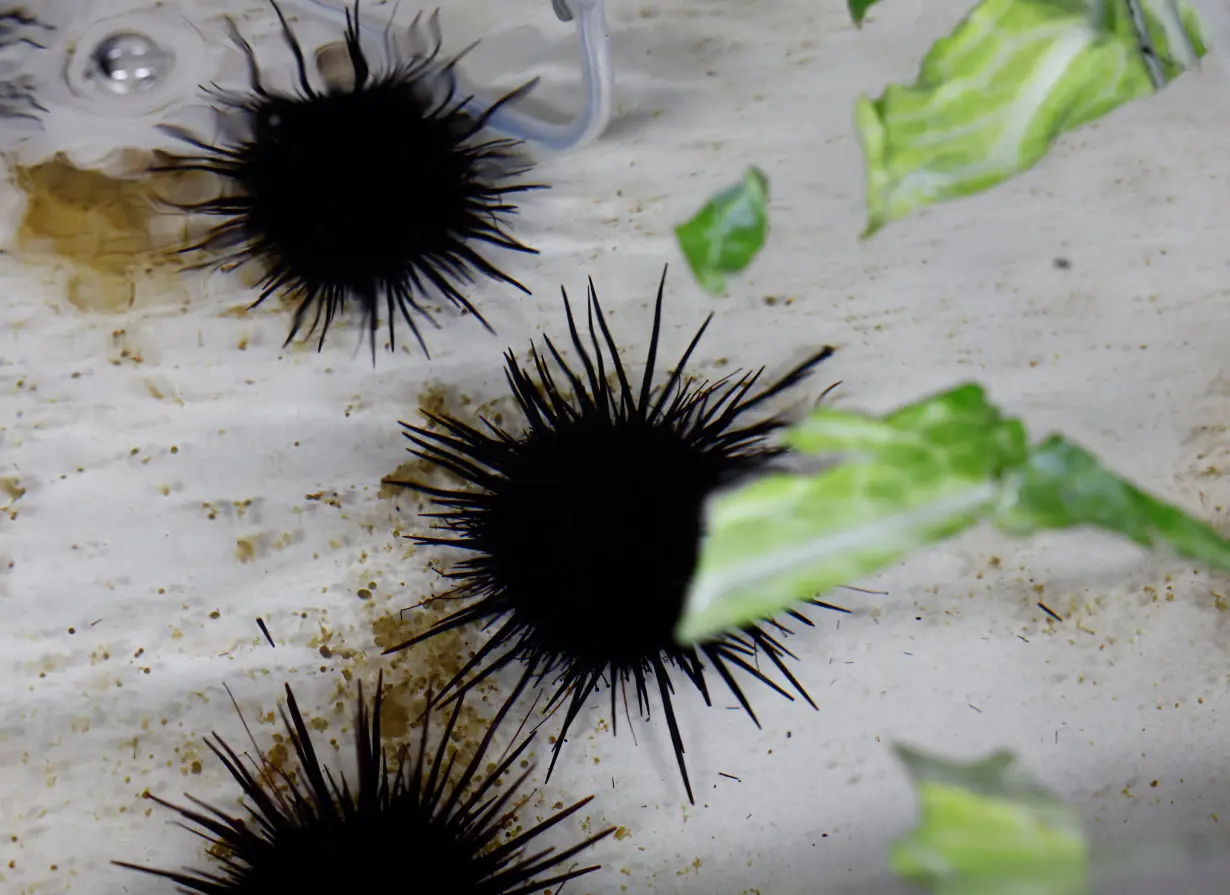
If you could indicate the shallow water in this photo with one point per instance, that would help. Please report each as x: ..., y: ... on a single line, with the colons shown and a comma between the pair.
x: 170, y: 473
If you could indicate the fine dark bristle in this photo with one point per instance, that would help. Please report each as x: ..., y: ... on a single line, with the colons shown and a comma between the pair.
x: 422, y: 821
x: 17, y: 98
x: 582, y: 530
x: 373, y: 192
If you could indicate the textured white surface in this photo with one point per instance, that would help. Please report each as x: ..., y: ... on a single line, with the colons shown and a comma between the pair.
x: 1124, y: 352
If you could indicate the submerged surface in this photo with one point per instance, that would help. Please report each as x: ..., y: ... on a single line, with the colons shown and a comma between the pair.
x: 169, y: 474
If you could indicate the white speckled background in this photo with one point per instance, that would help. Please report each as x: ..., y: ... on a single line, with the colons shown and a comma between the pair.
x: 1118, y: 707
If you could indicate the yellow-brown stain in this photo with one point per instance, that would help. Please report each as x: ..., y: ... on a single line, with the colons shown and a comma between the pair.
x: 410, y: 675
x: 387, y: 618
x: 110, y: 231
x: 278, y: 753
x: 219, y: 851
x: 434, y: 400
x: 245, y: 549
x: 332, y: 498
x: 334, y: 64
x: 393, y: 485
x: 441, y: 402
x: 158, y: 392
x: 11, y: 486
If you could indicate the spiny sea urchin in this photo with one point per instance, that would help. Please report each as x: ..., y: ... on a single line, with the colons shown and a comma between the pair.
x: 17, y: 99
x: 583, y: 529
x: 415, y: 822
x: 371, y: 192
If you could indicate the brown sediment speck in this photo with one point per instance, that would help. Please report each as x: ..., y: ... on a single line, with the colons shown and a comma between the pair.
x: 245, y: 549
x: 12, y: 487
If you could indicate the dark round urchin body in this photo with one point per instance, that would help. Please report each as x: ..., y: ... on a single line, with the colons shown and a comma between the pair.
x: 422, y: 823
x: 583, y: 530
x: 372, y: 192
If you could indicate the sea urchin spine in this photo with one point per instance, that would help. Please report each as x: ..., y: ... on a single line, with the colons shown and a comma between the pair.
x: 17, y: 99
x: 426, y: 823
x: 369, y: 192
x: 582, y: 530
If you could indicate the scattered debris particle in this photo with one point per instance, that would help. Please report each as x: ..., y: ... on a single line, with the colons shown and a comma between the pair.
x: 11, y: 486
x: 245, y: 550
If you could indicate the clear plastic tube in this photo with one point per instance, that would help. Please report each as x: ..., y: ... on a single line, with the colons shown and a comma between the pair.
x: 598, y: 74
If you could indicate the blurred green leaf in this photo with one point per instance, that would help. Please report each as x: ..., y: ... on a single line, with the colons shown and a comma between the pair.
x: 915, y: 477
x: 728, y: 232
x: 858, y: 9
x: 1063, y: 486
x: 919, y: 475
x: 987, y: 828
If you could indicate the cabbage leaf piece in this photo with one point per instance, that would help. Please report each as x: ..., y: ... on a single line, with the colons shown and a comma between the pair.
x: 987, y: 828
x: 992, y: 97
x: 886, y: 487
x: 727, y: 234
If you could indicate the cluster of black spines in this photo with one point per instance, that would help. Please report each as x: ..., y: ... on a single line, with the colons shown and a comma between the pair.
x: 19, y: 28
x: 582, y: 529
x: 420, y: 819
x: 375, y: 193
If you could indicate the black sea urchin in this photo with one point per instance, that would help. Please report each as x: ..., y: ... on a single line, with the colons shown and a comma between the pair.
x: 371, y: 192
x: 420, y: 825
x: 17, y: 99
x: 584, y: 528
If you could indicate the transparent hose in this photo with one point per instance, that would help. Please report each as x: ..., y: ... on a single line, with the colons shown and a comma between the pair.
x: 598, y: 73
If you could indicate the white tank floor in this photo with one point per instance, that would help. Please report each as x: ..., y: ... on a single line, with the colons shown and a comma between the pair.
x: 176, y: 487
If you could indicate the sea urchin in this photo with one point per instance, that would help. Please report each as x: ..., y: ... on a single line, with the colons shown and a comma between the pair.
x: 17, y: 99
x: 372, y: 191
x: 583, y: 529
x: 424, y: 822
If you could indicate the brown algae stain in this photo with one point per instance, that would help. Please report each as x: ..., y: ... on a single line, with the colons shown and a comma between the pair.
x: 11, y: 487
x: 334, y: 65
x: 393, y: 485
x: 409, y: 677
x: 246, y: 549
x: 109, y: 230
x: 439, y: 402
x: 411, y: 674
